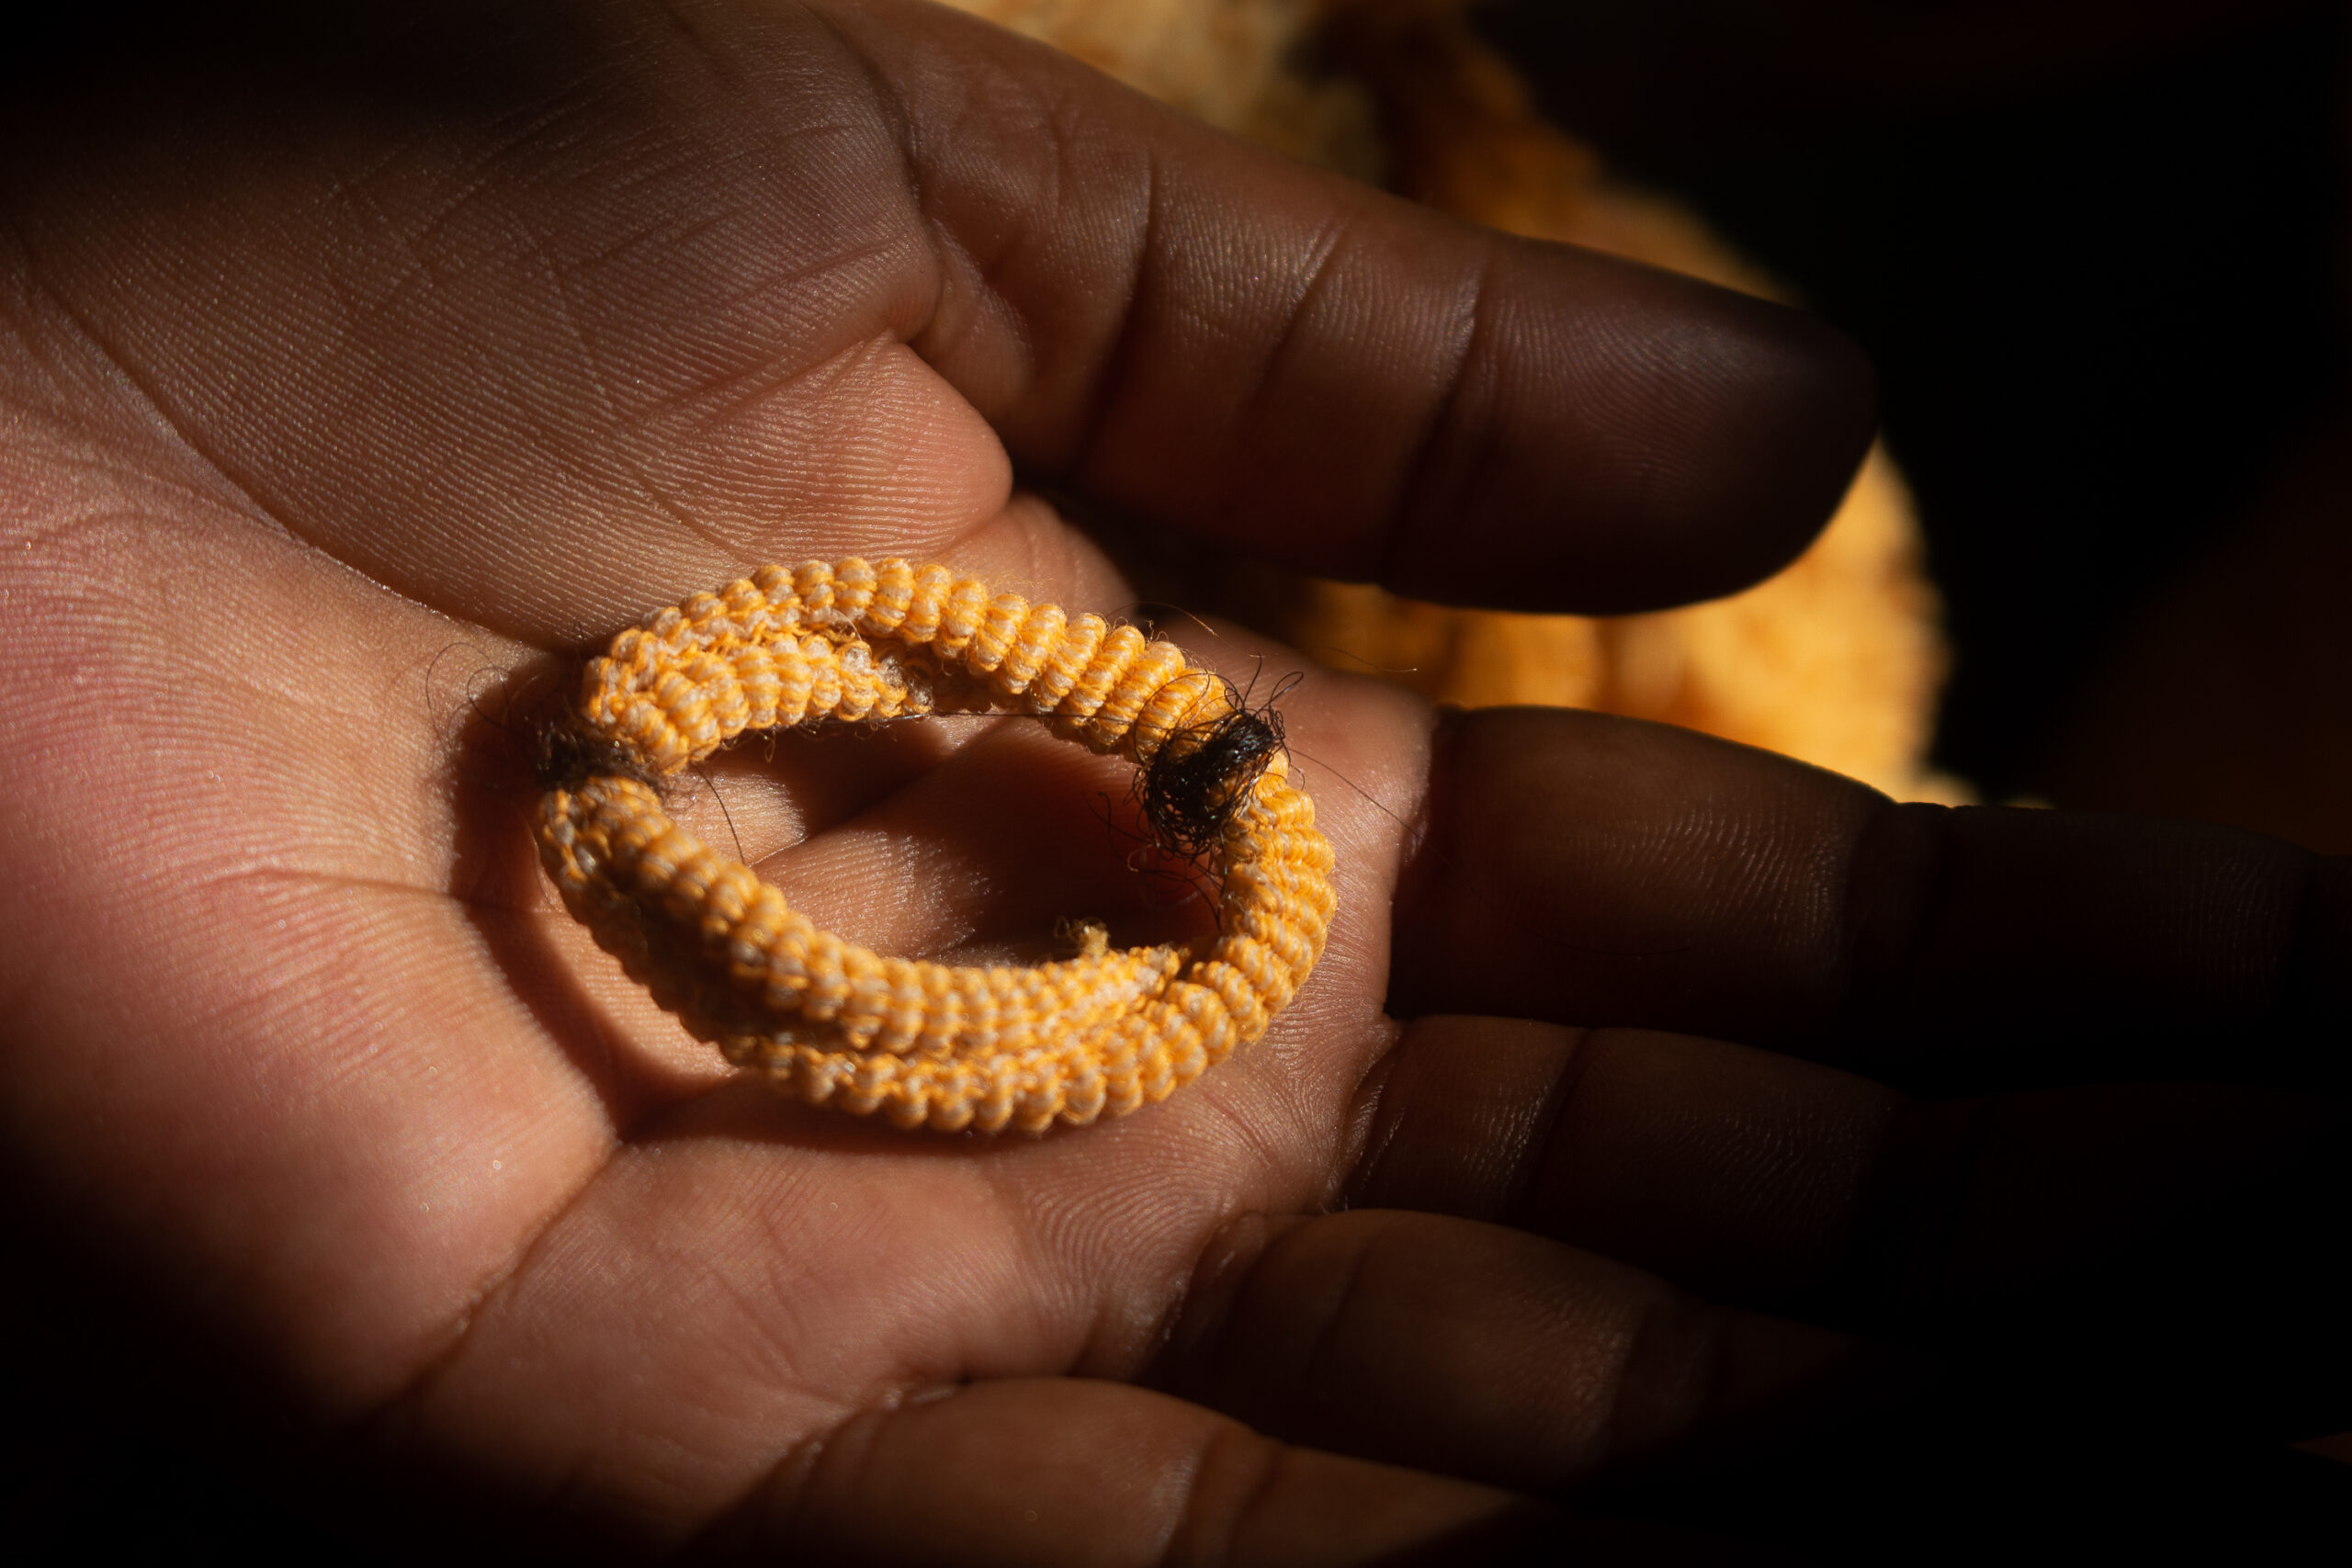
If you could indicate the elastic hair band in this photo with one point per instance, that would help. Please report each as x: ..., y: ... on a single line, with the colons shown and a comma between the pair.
x: 929, y: 1044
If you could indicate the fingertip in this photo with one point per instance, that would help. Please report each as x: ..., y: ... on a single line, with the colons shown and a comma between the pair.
x: 1622, y: 438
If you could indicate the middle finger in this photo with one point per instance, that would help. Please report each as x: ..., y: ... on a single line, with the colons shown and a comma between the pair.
x: 1591, y: 871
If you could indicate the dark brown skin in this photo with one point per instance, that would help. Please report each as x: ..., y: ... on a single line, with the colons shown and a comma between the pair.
x: 346, y: 376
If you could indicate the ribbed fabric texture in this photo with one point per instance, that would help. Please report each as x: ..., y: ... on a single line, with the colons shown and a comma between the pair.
x: 927, y: 1045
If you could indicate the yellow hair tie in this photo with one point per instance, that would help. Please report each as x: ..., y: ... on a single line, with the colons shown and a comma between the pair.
x: 928, y: 1043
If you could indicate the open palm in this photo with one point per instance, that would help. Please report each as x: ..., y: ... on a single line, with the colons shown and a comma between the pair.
x: 356, y: 375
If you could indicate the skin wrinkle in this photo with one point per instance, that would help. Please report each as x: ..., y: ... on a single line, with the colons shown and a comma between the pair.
x: 429, y: 242
x: 599, y: 382
x: 1339, y: 1298
x: 1263, y: 1147
x: 1366, y: 1133
x: 1889, y: 1229
x: 783, y: 1484
x: 586, y: 464
x: 1156, y: 1346
x: 767, y: 286
x: 902, y: 473
x: 1427, y: 846
x: 53, y: 356
x: 348, y: 188
x: 1550, y: 1142
x: 722, y: 70
x: 865, y: 1433
x: 1045, y: 1234
x: 1119, y: 1345
x: 963, y: 315
x: 257, y: 510
x: 1656, y: 1393
x: 557, y: 277
x: 1266, y: 1459
x: 1373, y: 1132
x: 991, y: 309
x: 2247, y: 917
x: 784, y: 1337
x: 1482, y: 877
x: 1254, y: 1242
x: 886, y: 1390
x: 399, y: 1413
x: 1315, y: 261
x: 882, y: 95
x: 745, y: 391
x: 1113, y: 366
x: 1501, y: 1154
x: 482, y: 174
x: 1195, y: 1488
x: 957, y: 313
x: 363, y: 312
x: 1389, y: 555
x: 397, y: 1417
x: 1362, y: 1157
x: 1228, y: 1256
x: 915, y: 882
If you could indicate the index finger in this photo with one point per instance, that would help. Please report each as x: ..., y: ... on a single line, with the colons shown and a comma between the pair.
x: 1270, y: 358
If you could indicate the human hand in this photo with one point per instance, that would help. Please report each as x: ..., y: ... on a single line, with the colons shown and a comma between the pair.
x: 346, y: 379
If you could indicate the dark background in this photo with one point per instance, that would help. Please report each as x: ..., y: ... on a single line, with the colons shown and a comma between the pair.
x: 2093, y: 246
